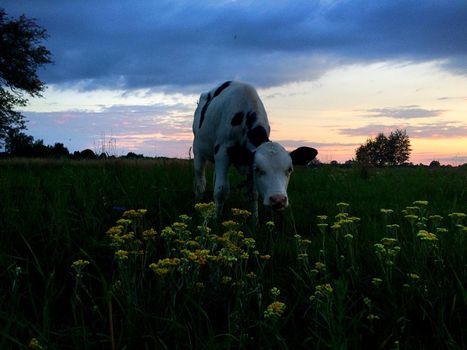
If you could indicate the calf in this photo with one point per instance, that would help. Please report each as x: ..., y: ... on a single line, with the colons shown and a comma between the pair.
x: 231, y: 127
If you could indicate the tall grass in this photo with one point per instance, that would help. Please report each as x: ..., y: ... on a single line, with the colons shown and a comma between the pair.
x: 318, y: 275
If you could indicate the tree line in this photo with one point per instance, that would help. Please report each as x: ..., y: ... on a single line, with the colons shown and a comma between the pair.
x: 19, y: 144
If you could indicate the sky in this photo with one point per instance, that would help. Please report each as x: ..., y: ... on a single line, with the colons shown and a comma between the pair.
x: 127, y: 75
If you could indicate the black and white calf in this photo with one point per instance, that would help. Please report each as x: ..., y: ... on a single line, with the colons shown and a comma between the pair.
x: 231, y: 127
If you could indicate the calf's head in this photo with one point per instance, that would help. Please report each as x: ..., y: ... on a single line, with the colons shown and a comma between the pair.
x: 272, y: 166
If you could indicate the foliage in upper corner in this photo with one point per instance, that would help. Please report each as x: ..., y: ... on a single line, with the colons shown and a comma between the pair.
x: 21, y: 54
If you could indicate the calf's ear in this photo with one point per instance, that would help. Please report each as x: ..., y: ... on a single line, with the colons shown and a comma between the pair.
x: 303, y: 155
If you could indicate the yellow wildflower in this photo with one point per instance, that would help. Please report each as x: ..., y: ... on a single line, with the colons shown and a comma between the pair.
x: 206, y: 210
x: 179, y: 226
x: 79, y: 264
x: 185, y: 218
x: 124, y: 222
x: 321, y: 290
x: 226, y: 279
x: 376, y: 281
x: 128, y: 237
x: 388, y: 242
x: 161, y: 271
x: 149, y: 234
x: 134, y: 214
x: 241, y: 212
x: 336, y: 226
x: 116, y: 230
x: 168, y: 262
x: 320, y: 266
x: 274, y: 310
x: 302, y: 256
x: 35, y: 345
x: 343, y: 206
x: 231, y: 225
x: 322, y: 218
x: 386, y: 211
x: 265, y: 257
x: 411, y: 218
x: 167, y: 233
x: 427, y: 236
x: 251, y: 275
x: 199, y: 256
x: 275, y: 292
x: 322, y: 226
x: 249, y: 242
x: 121, y: 254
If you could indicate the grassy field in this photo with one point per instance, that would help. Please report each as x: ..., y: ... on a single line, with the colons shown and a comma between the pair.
x: 375, y: 261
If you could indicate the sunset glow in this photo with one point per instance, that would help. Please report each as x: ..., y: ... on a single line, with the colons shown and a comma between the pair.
x: 325, y: 82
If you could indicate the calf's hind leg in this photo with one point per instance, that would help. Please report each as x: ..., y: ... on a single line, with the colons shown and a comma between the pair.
x: 200, y: 178
x: 221, y: 182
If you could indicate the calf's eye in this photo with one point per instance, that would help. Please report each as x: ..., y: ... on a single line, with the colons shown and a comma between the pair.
x: 259, y: 172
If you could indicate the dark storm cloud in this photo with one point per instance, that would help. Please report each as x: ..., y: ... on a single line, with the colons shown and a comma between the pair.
x: 182, y: 44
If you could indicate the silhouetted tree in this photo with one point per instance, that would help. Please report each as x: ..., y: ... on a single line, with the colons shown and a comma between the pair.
x: 87, y: 154
x: 18, y: 144
x: 392, y: 150
x: 435, y: 164
x: 59, y: 150
x: 21, y: 54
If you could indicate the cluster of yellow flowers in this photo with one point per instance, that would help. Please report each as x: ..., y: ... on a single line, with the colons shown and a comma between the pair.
x: 79, y: 264
x: 134, y: 214
x: 274, y: 310
x: 387, y: 250
x: 194, y: 250
x: 427, y: 236
x: 34, y: 344
x: 164, y: 266
x: 344, y: 223
x: 322, y: 291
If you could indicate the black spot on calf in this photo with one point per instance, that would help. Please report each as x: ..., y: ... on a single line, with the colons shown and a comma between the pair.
x: 237, y: 119
x: 203, y: 111
x: 210, y: 98
x: 250, y: 119
x: 257, y: 136
x: 221, y: 88
x: 240, y: 155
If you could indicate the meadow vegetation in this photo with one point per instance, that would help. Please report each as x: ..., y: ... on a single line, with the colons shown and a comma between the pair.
x: 116, y: 254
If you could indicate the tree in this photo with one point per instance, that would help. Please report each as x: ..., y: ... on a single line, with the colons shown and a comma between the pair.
x: 21, y: 54
x: 392, y: 150
x: 398, y: 147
